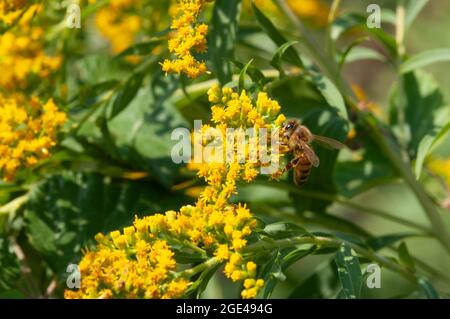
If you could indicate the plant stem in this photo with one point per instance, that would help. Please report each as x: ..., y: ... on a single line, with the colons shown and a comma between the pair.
x: 199, y: 268
x: 345, y: 202
x: 400, y: 28
x: 332, y: 242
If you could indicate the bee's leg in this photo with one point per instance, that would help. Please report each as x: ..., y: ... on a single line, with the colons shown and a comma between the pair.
x: 289, y: 166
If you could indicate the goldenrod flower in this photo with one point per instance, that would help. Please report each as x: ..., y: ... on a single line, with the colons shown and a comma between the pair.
x: 314, y: 10
x: 22, y: 54
x: 441, y: 167
x: 117, y: 24
x: 213, y: 225
x: 27, y: 132
x: 10, y: 10
x: 190, y: 38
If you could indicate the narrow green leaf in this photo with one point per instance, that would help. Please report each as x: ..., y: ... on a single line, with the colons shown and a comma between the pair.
x: 405, y: 258
x: 413, y: 9
x: 426, y: 145
x: 357, y: 21
x: 428, y: 289
x: 277, y: 59
x: 241, y: 83
x: 291, y: 55
x: 225, y: 24
x: 142, y: 48
x: 380, y: 242
x: 349, y: 272
x: 359, y: 53
x: 253, y: 72
x: 425, y: 58
x: 126, y: 94
x: 284, y: 230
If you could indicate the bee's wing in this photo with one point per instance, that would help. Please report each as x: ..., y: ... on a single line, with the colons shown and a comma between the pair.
x: 328, y: 142
x: 310, y: 155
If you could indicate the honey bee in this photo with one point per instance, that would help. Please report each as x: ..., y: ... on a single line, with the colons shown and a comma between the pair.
x: 298, y: 138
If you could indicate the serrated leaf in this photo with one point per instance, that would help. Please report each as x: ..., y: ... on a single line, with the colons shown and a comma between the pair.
x: 349, y: 272
x: 424, y: 59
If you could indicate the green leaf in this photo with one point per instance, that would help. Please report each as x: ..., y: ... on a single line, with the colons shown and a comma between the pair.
x: 424, y: 59
x: 372, y: 169
x: 359, y: 53
x: 199, y: 285
x: 10, y: 268
x: 349, y: 272
x: 253, y: 72
x: 405, y: 258
x: 66, y: 211
x: 284, y: 230
x: 126, y: 94
x: 301, y: 99
x: 380, y: 242
x: 327, y: 88
x: 423, y: 105
x: 278, y: 261
x: 291, y: 54
x: 356, y: 21
x: 412, y: 11
x: 426, y: 145
x: 225, y: 24
x: 321, y: 284
x: 277, y: 59
x: 428, y: 289
x: 142, y: 48
x: 241, y: 83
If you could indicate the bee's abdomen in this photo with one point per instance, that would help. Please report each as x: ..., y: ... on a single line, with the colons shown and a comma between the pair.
x: 302, y: 171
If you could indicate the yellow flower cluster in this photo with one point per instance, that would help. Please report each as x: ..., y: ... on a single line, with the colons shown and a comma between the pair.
x: 10, y: 10
x: 27, y: 132
x: 314, y: 10
x: 441, y: 167
x: 129, y: 266
x: 22, y: 54
x: 118, y: 24
x: 214, y: 227
x: 190, y: 37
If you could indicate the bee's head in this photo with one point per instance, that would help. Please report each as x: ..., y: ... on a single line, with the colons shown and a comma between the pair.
x: 289, y: 127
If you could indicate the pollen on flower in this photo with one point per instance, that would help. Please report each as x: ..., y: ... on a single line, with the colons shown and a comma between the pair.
x: 189, y: 37
x: 214, y: 225
x: 28, y: 130
x: 22, y: 55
